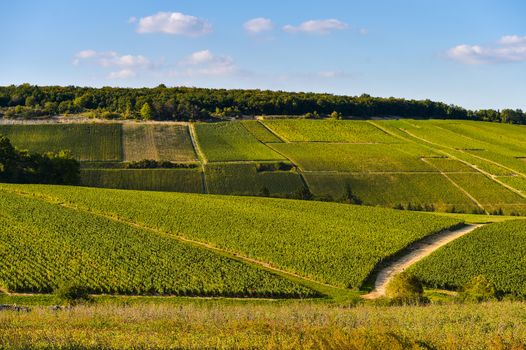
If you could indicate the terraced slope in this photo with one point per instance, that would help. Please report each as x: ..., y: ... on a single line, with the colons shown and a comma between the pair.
x: 444, y: 165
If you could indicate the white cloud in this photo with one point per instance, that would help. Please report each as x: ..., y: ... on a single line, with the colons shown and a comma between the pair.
x: 174, y: 23
x: 512, y: 39
x: 321, y: 26
x: 205, y: 63
x: 122, y: 74
x: 333, y: 74
x: 510, y: 48
x: 82, y: 55
x: 111, y: 59
x: 132, y: 19
x: 200, y: 57
x: 258, y: 25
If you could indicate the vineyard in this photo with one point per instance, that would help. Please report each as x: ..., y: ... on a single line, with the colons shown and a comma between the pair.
x: 231, y: 142
x: 328, y: 131
x: 342, y: 248
x: 45, y: 246
x: 87, y: 142
x: 157, y: 142
x: 244, y: 179
x: 496, y: 251
x: 440, y: 165
x: 177, y: 180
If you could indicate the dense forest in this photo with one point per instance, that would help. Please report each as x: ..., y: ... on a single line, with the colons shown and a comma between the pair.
x: 184, y: 103
x: 23, y: 167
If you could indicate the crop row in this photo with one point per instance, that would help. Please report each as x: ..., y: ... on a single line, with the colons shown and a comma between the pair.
x: 496, y: 251
x: 333, y: 243
x: 45, y: 245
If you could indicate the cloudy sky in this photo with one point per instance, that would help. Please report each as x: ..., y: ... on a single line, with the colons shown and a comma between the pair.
x: 467, y: 52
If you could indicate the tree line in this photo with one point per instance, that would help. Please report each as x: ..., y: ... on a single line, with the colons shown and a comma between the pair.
x: 190, y: 104
x: 19, y: 166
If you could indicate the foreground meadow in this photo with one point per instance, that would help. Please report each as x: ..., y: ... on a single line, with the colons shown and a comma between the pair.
x: 217, y: 325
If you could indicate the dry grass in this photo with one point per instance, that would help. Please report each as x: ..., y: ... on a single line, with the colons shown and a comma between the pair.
x: 268, y: 326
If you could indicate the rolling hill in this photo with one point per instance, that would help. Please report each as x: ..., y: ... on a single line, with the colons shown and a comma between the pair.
x: 433, y: 165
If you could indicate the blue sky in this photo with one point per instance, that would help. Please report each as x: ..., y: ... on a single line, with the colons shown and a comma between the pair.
x: 467, y: 52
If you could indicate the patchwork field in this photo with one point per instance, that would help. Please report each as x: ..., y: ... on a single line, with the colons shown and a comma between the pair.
x: 223, y: 142
x: 394, y: 190
x: 496, y: 251
x: 442, y: 165
x: 344, y: 157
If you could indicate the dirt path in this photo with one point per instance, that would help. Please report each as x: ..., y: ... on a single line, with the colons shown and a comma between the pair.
x: 321, y: 287
x: 415, y: 252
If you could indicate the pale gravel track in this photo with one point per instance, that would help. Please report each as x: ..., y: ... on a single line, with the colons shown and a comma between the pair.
x: 415, y: 252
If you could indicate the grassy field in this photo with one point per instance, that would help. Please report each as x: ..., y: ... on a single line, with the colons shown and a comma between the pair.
x: 490, y: 194
x: 304, y: 130
x: 355, y: 157
x: 231, y: 142
x: 260, y: 132
x: 46, y: 245
x: 448, y: 165
x: 496, y: 251
x: 158, y: 142
x: 268, y: 326
x: 244, y: 179
x: 87, y: 142
x: 341, y: 249
x: 177, y: 180
x: 427, y: 189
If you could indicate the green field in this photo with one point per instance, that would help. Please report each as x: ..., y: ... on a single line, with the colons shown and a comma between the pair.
x: 231, y: 142
x: 46, y: 245
x: 496, y: 251
x: 355, y: 157
x: 303, y: 130
x: 260, y: 132
x: 87, y: 142
x: 176, y: 180
x: 341, y: 248
x: 244, y: 179
x: 390, y: 190
x: 490, y: 194
x: 444, y: 165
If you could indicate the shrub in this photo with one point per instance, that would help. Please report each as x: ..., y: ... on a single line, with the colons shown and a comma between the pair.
x: 405, y: 288
x: 479, y: 289
x: 73, y: 294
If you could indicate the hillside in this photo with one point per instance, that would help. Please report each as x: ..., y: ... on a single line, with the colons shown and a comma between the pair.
x: 432, y: 165
x: 131, y: 242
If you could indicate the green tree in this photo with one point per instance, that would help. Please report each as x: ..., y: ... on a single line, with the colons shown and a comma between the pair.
x: 336, y: 115
x: 405, y: 287
x: 146, y: 111
x: 479, y: 289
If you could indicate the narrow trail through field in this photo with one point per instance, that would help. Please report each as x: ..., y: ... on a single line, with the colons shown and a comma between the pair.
x: 415, y: 252
x: 200, y: 155
x: 323, y: 288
